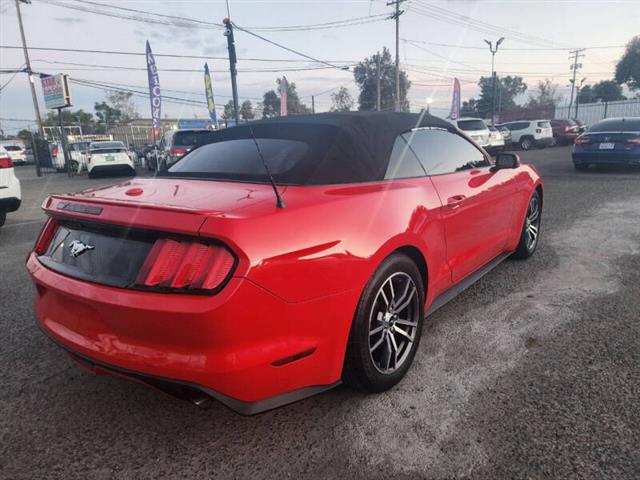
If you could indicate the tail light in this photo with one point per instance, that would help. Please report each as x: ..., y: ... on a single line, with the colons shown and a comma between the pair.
x: 582, y: 140
x: 55, y: 150
x: 185, y: 265
x: 566, y: 128
x: 178, y: 152
x: 6, y: 162
x: 46, y: 235
x: 633, y: 141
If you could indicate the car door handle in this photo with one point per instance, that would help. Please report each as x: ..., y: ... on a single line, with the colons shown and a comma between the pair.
x: 455, y: 201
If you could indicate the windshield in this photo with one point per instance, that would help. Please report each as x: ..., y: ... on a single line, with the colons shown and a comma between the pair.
x: 471, y: 125
x: 617, y: 125
x: 190, y: 138
x: 12, y: 148
x: 544, y: 124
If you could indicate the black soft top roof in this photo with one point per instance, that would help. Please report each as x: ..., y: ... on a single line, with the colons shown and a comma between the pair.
x: 347, y: 147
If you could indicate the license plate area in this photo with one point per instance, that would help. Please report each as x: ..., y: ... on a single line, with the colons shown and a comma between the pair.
x: 607, y: 146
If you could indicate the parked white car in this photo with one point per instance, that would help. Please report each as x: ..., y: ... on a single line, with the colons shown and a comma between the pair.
x: 78, y: 152
x: 496, y: 140
x: 109, y: 157
x: 531, y: 133
x: 17, y: 154
x: 476, y: 129
x: 10, y: 192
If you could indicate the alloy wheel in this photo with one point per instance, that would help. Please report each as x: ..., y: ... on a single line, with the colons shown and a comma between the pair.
x: 393, y: 322
x: 532, y: 223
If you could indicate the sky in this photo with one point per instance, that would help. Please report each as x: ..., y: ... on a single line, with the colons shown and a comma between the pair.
x: 436, y: 45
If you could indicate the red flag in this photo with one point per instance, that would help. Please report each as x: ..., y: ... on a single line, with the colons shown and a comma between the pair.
x: 284, y: 88
x: 455, y: 101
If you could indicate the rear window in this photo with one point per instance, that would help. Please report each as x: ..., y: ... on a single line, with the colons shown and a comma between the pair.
x: 112, y: 146
x: 544, y: 124
x: 471, y: 125
x: 304, y: 155
x: 191, y: 138
x: 12, y: 148
x: 617, y: 125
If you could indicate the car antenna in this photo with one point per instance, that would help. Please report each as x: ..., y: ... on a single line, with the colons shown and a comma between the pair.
x: 279, y: 201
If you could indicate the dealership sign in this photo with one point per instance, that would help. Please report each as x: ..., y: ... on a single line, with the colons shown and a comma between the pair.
x: 57, y: 93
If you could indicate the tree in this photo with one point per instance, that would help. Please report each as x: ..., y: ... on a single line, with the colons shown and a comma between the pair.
x: 507, y: 88
x: 26, y: 136
x: 227, y: 114
x: 123, y: 101
x: 546, y: 95
x: 271, y: 102
x: 246, y: 110
x: 366, y: 75
x: 342, y: 100
x: 607, y: 91
x: 107, y: 116
x: 80, y: 118
x: 585, y: 95
x: 469, y: 108
x: 628, y: 68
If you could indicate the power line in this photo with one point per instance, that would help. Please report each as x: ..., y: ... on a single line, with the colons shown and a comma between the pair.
x: 321, y: 26
x: 168, y: 55
x: 472, y: 47
x: 332, y: 65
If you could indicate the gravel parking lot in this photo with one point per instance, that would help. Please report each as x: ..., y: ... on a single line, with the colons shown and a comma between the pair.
x: 534, y: 373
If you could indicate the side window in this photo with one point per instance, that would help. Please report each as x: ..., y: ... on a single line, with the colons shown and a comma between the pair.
x: 443, y: 152
x: 403, y: 163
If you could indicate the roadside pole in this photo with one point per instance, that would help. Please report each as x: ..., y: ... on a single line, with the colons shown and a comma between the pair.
x: 378, y: 82
x: 231, y: 46
x: 396, y: 16
x: 575, y: 66
x: 36, y: 107
x: 63, y: 143
x: 313, y: 104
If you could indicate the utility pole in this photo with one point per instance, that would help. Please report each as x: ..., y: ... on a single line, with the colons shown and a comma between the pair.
x: 36, y: 107
x: 493, y: 76
x: 578, y: 88
x: 396, y: 16
x: 313, y: 104
x: 576, y: 54
x: 231, y: 45
x: 378, y: 83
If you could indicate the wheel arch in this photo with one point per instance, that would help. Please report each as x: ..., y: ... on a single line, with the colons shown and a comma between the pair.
x: 421, y: 262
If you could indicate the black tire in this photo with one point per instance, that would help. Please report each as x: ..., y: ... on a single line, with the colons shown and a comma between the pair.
x: 364, y: 362
x: 581, y: 167
x: 3, y: 218
x: 526, y: 143
x: 527, y: 247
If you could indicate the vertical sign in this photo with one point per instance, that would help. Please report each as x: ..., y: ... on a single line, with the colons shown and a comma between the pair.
x: 208, y: 90
x: 57, y: 93
x: 154, y: 92
x: 284, y: 91
x: 455, y: 101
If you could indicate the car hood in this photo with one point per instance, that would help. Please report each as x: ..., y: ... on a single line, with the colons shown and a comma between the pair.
x: 203, y: 196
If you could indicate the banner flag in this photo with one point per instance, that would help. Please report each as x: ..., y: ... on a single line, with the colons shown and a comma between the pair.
x: 154, y: 92
x: 208, y: 90
x: 455, y: 101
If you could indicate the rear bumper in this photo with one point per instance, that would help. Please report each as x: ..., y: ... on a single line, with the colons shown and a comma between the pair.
x: 606, y: 158
x: 112, y: 167
x: 543, y: 142
x: 230, y: 346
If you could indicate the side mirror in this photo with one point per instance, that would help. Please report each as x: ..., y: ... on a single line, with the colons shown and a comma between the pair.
x: 506, y: 160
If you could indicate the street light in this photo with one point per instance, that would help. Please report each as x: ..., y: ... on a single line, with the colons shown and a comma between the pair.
x: 429, y: 102
x: 493, y: 77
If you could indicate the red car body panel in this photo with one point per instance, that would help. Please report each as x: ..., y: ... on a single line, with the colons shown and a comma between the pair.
x: 299, y: 276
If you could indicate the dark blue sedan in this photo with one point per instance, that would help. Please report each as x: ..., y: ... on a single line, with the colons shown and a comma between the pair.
x: 614, y: 141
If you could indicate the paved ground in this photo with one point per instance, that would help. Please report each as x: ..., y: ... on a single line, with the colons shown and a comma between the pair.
x: 532, y: 373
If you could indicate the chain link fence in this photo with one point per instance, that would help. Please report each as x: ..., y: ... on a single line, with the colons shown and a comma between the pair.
x: 591, y: 113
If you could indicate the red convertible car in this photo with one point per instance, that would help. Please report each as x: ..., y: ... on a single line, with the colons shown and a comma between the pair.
x: 281, y: 257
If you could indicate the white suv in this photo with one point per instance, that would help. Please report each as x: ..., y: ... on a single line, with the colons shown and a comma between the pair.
x: 10, y: 194
x: 476, y: 129
x: 530, y: 133
x: 109, y: 157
